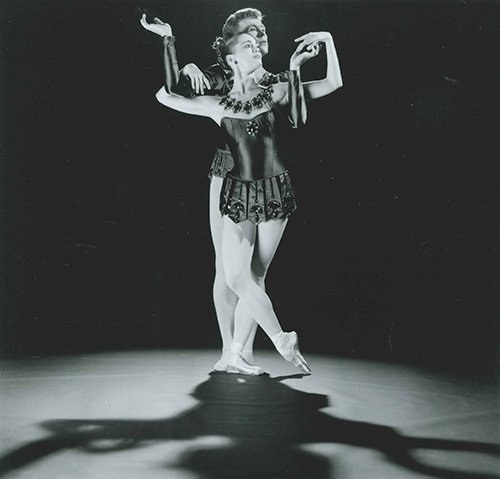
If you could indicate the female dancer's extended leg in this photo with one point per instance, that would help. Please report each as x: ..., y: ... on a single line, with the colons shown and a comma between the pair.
x: 238, y: 244
x: 267, y: 238
x: 229, y: 311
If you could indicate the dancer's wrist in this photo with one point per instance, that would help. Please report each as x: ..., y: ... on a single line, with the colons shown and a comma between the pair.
x: 168, y: 40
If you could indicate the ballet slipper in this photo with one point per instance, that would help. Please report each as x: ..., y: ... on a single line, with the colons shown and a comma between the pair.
x: 287, y: 345
x: 238, y: 365
x: 248, y: 357
x: 222, y: 363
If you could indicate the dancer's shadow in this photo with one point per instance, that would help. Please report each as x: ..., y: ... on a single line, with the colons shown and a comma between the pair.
x: 266, y: 422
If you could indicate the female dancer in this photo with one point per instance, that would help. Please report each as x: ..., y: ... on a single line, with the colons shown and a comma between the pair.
x: 249, y: 21
x: 217, y: 80
x: 258, y: 198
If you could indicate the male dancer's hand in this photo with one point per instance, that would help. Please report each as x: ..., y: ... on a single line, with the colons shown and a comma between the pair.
x: 198, y: 80
x: 160, y: 28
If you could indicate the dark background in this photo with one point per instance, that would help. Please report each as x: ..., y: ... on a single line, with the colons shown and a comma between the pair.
x: 392, y: 253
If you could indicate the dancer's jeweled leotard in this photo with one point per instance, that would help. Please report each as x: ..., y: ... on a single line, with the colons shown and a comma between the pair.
x: 223, y: 161
x: 258, y: 188
x: 255, y: 145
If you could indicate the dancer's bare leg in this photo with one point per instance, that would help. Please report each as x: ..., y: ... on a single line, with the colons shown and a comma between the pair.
x: 238, y: 244
x: 225, y: 299
x: 245, y: 320
x: 267, y: 240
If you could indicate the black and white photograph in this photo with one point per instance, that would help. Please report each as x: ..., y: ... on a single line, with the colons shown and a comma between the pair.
x: 249, y: 239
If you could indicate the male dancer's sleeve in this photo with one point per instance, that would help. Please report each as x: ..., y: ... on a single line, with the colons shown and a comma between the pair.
x: 297, y: 100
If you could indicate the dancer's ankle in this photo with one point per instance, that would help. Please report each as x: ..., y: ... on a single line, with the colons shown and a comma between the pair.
x: 239, y: 365
x: 248, y: 356
x: 278, y: 339
x: 222, y: 363
x: 237, y: 348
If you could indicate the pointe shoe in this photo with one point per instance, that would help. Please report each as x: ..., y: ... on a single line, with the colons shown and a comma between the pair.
x: 248, y: 357
x: 222, y: 363
x: 238, y: 365
x: 289, y: 349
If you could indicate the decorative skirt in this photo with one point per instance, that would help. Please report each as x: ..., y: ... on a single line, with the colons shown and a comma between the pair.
x: 222, y: 163
x: 260, y: 200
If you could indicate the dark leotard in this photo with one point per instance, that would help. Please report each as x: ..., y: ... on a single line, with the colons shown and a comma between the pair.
x: 254, y: 146
x: 223, y: 161
x: 258, y: 188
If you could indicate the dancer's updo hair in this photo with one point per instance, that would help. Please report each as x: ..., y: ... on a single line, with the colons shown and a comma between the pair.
x: 218, y: 45
x: 223, y: 48
x: 230, y: 31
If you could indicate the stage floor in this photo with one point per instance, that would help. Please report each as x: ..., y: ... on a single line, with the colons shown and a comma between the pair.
x: 161, y: 414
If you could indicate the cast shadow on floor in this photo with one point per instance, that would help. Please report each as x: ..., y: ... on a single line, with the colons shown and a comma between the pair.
x: 266, y: 422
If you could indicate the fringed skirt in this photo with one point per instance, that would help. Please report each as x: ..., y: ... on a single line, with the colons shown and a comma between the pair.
x: 222, y: 163
x: 260, y: 200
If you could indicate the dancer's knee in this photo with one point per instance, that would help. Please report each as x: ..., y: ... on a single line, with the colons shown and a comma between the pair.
x: 237, y: 282
x: 259, y: 273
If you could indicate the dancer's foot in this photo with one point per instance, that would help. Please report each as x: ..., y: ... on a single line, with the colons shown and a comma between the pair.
x: 238, y: 365
x: 287, y: 345
x: 222, y: 363
x: 248, y: 356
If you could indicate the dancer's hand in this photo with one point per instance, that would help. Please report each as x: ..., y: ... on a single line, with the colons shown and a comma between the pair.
x: 198, y: 80
x: 302, y: 54
x: 311, y: 38
x: 158, y: 27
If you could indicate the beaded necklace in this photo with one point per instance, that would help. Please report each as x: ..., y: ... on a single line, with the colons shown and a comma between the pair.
x: 269, y: 79
x: 248, y: 106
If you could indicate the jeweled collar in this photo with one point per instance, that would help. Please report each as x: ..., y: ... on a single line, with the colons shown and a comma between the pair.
x: 248, y: 106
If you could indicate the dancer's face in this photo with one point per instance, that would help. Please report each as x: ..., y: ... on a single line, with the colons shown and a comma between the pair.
x: 255, y: 28
x: 245, y: 52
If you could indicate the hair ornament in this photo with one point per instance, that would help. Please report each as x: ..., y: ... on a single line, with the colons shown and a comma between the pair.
x: 217, y: 45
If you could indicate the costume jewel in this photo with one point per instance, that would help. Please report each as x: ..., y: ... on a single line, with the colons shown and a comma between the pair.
x: 237, y: 209
x: 272, y: 208
x: 257, y: 102
x: 269, y: 79
x: 230, y: 103
x: 252, y: 128
x: 257, y: 209
x: 238, y: 206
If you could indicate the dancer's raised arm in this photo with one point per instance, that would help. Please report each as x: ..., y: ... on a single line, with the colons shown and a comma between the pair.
x: 333, y: 79
x: 200, y: 106
x: 198, y: 80
x: 164, y: 30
